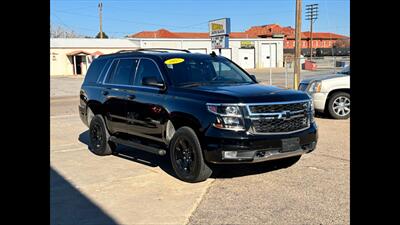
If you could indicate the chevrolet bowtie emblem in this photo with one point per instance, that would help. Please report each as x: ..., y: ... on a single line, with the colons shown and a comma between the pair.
x: 284, y: 115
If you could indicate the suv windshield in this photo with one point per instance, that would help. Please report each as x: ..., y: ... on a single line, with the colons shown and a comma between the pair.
x: 205, y: 71
x: 345, y: 70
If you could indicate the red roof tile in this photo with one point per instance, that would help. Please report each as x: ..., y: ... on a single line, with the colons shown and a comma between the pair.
x: 254, y: 32
x: 319, y: 35
x: 77, y: 52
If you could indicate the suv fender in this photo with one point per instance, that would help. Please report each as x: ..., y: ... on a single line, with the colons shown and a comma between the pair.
x: 180, y: 119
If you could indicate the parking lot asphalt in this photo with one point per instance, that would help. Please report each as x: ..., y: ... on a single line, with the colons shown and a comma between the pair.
x: 129, y: 188
x: 139, y: 188
x: 313, y: 191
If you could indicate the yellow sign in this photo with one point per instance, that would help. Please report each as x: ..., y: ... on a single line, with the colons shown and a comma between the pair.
x: 173, y: 61
x: 247, y: 44
x: 216, y: 26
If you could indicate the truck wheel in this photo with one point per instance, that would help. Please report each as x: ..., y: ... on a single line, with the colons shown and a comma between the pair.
x: 98, y: 137
x: 186, y: 156
x: 339, y: 105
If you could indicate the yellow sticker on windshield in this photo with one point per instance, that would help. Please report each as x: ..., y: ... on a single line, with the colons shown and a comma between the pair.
x: 173, y: 61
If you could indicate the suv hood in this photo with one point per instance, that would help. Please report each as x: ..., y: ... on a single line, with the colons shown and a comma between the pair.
x: 322, y: 77
x: 251, y: 93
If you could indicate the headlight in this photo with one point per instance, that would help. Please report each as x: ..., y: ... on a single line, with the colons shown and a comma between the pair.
x: 312, y: 110
x: 315, y: 86
x: 229, y: 116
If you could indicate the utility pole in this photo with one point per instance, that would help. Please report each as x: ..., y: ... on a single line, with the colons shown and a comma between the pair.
x: 312, y: 15
x: 297, y: 45
x: 101, y: 19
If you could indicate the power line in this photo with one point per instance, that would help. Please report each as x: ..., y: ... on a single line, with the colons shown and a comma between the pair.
x: 129, y: 21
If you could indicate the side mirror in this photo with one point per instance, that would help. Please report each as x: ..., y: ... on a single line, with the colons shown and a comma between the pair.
x: 152, y: 81
x: 254, y: 78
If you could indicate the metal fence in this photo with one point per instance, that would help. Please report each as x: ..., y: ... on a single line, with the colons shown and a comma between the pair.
x: 283, y: 77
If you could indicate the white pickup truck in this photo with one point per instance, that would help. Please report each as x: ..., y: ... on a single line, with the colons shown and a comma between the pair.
x: 330, y: 93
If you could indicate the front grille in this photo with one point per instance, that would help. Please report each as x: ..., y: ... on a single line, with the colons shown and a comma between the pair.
x: 280, y: 125
x: 279, y: 118
x: 278, y: 107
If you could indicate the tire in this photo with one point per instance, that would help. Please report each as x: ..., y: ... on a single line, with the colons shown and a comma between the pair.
x: 98, y: 137
x: 185, y: 152
x: 288, y: 162
x: 339, y: 105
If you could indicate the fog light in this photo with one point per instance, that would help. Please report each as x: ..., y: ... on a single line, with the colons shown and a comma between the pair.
x: 233, y: 121
x: 229, y: 154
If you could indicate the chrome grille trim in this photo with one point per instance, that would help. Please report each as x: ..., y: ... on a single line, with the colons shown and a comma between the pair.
x: 274, y: 116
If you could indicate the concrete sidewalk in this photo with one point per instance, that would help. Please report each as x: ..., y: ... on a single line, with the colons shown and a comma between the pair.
x: 62, y: 86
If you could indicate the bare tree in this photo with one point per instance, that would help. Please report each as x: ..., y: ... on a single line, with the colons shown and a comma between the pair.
x: 57, y: 31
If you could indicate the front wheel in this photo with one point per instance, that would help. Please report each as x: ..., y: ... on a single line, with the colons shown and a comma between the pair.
x: 186, y: 156
x: 339, y: 105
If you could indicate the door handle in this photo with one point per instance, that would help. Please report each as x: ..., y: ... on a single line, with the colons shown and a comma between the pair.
x: 130, y: 97
x: 104, y: 92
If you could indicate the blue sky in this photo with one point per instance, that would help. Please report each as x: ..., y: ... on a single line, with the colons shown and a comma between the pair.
x: 123, y: 17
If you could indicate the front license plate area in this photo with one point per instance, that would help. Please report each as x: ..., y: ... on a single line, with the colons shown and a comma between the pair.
x: 290, y: 144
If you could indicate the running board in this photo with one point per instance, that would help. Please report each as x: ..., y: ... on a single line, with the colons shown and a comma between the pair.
x: 138, y: 146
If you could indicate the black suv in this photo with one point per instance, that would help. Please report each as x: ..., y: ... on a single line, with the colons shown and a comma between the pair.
x: 200, y: 109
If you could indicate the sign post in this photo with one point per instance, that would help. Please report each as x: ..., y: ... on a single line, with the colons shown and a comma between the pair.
x: 219, y: 31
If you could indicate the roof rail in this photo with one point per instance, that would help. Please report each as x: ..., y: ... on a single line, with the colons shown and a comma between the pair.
x: 122, y: 51
x: 162, y: 49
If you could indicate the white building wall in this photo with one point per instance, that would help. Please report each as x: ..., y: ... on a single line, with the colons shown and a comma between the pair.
x: 234, y: 44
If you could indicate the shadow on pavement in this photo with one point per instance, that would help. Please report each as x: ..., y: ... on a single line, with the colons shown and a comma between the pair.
x: 219, y: 171
x: 69, y: 206
x: 321, y: 115
x: 137, y: 155
x: 240, y: 170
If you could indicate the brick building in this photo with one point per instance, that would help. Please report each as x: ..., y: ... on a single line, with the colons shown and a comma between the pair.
x: 320, y: 39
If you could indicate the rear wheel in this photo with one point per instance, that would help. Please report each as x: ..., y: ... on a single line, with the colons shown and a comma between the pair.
x: 186, y: 156
x: 98, y: 137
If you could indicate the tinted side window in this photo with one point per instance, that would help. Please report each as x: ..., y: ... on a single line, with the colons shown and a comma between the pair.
x: 147, y: 68
x: 124, y: 72
x: 94, y: 70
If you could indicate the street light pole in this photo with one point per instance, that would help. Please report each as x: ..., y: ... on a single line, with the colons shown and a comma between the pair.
x: 297, y: 45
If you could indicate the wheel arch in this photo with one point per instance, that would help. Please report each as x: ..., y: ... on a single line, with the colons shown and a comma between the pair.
x: 332, y: 92
x: 180, y: 119
x: 95, y: 106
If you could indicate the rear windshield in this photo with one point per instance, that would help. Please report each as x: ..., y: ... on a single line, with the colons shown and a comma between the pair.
x: 205, y: 71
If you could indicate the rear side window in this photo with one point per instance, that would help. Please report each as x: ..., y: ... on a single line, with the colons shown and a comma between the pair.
x: 123, y: 71
x: 147, y: 68
x: 94, y: 70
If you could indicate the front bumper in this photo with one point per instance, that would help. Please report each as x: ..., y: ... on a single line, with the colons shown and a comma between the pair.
x: 319, y: 100
x: 255, y: 148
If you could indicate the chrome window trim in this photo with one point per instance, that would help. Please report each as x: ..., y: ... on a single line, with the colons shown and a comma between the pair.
x: 158, y: 68
x: 137, y: 66
x: 108, y: 71
x: 98, y: 79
